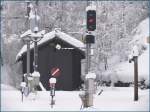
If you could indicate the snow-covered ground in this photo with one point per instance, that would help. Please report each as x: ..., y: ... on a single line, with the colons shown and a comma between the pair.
x: 7, y: 87
x: 111, y: 99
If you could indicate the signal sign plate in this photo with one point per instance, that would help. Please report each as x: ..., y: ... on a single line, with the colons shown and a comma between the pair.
x: 55, y: 71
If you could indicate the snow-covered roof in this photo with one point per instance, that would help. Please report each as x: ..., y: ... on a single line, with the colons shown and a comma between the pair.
x: 92, y: 7
x: 48, y: 36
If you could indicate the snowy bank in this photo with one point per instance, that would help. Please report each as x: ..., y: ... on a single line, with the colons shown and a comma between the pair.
x: 124, y: 71
x: 5, y: 87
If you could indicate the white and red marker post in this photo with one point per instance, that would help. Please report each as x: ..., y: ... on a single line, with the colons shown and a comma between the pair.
x: 52, y: 82
x: 55, y: 72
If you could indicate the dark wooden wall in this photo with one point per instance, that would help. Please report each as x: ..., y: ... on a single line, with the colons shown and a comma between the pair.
x: 69, y: 62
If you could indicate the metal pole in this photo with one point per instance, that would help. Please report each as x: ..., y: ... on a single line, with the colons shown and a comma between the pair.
x: 22, y: 96
x: 35, y: 42
x: 135, y: 78
x: 28, y: 57
x: 52, y: 101
x: 87, y: 69
x: 88, y: 94
x: 28, y: 41
x: 35, y: 56
x: 22, y: 92
x: 87, y: 58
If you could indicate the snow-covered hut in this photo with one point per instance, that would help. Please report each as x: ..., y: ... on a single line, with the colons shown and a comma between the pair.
x: 57, y: 50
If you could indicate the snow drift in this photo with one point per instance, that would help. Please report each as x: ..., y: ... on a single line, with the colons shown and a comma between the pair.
x: 124, y: 71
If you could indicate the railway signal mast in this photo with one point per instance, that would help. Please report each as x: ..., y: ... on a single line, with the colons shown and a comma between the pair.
x: 91, y: 27
x: 33, y: 34
x: 87, y: 96
x: 24, y: 84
